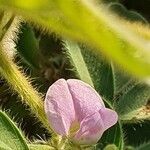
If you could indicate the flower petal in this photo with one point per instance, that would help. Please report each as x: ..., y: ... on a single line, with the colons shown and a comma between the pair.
x: 59, y: 107
x: 91, y: 129
x: 109, y: 117
x: 86, y: 99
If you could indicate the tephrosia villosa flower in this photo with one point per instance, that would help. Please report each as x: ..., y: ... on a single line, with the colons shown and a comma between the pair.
x: 75, y: 110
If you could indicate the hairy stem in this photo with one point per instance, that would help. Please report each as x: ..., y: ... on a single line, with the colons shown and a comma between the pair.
x: 22, y: 86
x: 18, y: 81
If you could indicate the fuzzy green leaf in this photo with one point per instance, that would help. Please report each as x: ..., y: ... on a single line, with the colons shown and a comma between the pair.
x: 10, y: 135
x: 121, y: 79
x: 80, y: 67
x: 123, y: 83
x: 138, y: 130
x: 101, y: 72
x: 145, y: 146
x: 112, y: 136
x: 27, y: 46
x: 132, y: 100
x: 123, y: 12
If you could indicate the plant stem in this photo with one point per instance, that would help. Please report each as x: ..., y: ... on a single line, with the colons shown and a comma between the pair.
x: 20, y: 83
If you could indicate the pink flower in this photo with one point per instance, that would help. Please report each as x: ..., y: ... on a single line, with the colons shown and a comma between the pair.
x: 75, y: 110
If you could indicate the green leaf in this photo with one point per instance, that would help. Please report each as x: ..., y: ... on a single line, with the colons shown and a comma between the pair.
x: 113, y: 135
x: 132, y: 100
x: 27, y: 46
x: 145, y: 146
x: 40, y: 147
x: 101, y: 72
x: 139, y: 130
x: 10, y: 135
x: 120, y: 10
x: 135, y: 16
x: 123, y: 82
x: 75, y: 56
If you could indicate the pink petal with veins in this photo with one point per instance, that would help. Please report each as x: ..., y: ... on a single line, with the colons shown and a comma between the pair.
x: 109, y: 117
x: 91, y: 129
x: 72, y: 101
x: 86, y: 99
x: 59, y: 107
